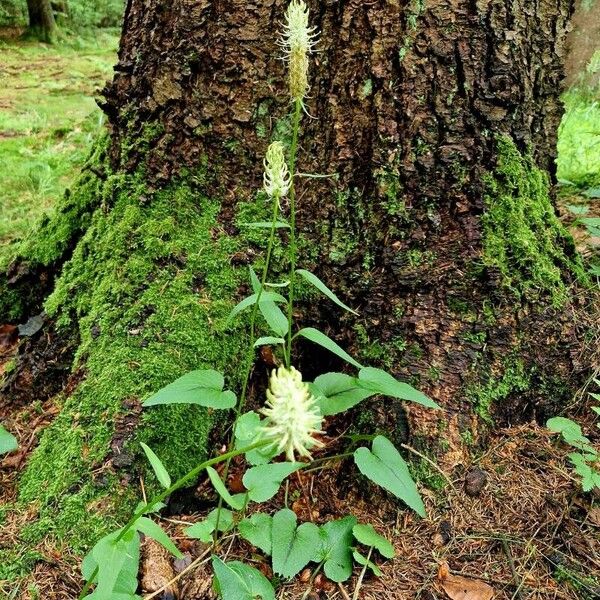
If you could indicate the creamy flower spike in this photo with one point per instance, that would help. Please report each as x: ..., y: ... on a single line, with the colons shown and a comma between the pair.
x: 298, y: 40
x: 276, y: 177
x: 293, y: 416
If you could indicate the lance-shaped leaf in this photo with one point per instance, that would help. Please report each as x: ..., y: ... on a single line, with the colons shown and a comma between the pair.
x: 337, y: 392
x: 274, y: 316
x: 293, y: 547
x: 363, y: 560
x: 238, y: 581
x: 157, y: 466
x: 384, y: 466
x: 153, y: 530
x: 317, y: 283
x: 268, y: 341
x: 380, y: 382
x: 263, y: 481
x: 318, y: 337
x: 203, y: 387
x: 236, y: 502
x: 253, y: 299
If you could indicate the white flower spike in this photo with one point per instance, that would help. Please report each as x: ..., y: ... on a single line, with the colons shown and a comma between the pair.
x: 297, y: 40
x: 276, y: 176
x: 293, y: 416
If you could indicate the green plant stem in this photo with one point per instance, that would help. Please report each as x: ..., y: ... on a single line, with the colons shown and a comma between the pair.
x: 249, y: 361
x: 190, y: 475
x: 292, y: 249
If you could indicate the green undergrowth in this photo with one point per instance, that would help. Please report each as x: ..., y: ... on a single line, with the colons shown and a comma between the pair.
x: 48, y: 122
x: 523, y: 238
x: 578, y: 160
x: 148, y: 290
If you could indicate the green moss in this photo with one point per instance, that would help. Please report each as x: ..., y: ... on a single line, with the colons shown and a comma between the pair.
x: 515, y: 378
x: 523, y: 238
x: 148, y: 289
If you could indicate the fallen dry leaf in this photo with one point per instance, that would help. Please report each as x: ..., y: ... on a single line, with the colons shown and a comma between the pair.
x: 463, y: 588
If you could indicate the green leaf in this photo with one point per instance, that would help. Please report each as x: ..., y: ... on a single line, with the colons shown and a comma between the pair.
x: 8, y: 442
x: 236, y: 502
x: 381, y: 382
x: 203, y: 387
x: 263, y: 481
x: 268, y: 341
x: 203, y: 529
x: 336, y: 548
x: 250, y: 300
x: 571, y: 432
x: 247, y: 430
x: 265, y: 225
x: 366, y: 535
x: 255, y: 282
x: 293, y: 547
x: 258, y: 530
x: 363, y: 560
x: 318, y: 337
x: 238, y: 581
x: 274, y: 317
x: 337, y: 392
x: 153, y: 530
x: 385, y: 467
x: 316, y: 282
x: 157, y: 466
x: 117, y: 564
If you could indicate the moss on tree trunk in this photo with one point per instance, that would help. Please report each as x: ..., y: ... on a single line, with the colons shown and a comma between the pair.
x: 439, y: 122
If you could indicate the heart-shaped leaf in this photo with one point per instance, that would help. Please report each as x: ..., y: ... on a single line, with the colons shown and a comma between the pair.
x: 336, y: 548
x: 337, y: 392
x: 258, y: 530
x: 385, y: 467
x: 238, y: 581
x: 366, y: 535
x: 293, y: 547
x: 263, y: 481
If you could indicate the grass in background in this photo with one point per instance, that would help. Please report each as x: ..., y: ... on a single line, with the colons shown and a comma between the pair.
x: 579, y: 140
x: 48, y: 119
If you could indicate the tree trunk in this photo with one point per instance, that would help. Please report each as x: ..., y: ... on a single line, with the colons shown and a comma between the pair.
x: 42, y: 25
x: 438, y: 119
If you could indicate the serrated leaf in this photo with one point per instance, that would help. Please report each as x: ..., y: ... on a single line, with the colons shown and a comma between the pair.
x: 337, y: 392
x: 258, y: 530
x: 363, y: 560
x: 293, y: 547
x: 253, y: 299
x: 318, y: 337
x: 203, y: 387
x: 336, y: 548
x: 571, y: 433
x: 159, y: 469
x: 385, y: 467
x: 381, y: 382
x: 268, y: 341
x: 238, y: 581
x: 236, y: 502
x: 263, y: 481
x: 317, y: 283
x: 153, y: 530
x: 366, y: 535
x: 8, y: 442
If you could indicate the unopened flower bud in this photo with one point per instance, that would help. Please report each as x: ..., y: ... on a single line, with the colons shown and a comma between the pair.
x: 276, y: 177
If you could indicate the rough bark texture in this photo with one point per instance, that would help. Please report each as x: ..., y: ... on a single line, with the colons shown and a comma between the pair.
x: 439, y: 120
x: 41, y: 20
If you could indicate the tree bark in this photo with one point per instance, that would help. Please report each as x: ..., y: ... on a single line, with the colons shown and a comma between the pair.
x: 438, y: 119
x: 41, y: 20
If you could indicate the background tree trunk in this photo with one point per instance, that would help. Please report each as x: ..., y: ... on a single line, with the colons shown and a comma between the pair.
x: 439, y: 121
x: 42, y: 25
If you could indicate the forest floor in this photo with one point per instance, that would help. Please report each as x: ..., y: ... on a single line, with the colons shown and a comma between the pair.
x: 510, y: 517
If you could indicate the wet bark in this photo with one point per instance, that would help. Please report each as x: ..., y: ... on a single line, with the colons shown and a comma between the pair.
x: 41, y: 20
